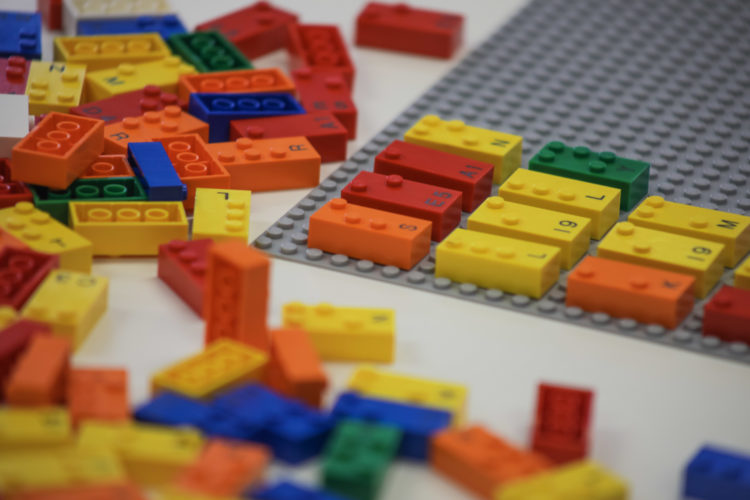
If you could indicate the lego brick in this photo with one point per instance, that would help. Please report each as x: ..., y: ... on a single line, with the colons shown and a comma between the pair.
x: 15, y: 337
x: 21, y: 272
x: 717, y: 474
x: 480, y: 461
x: 153, y: 167
x: 166, y: 26
x: 599, y: 203
x: 128, y: 77
x: 367, y: 233
x: 732, y: 230
x: 237, y: 293
x: 42, y: 233
x: 561, y: 425
x: 38, y: 378
x: 54, y: 86
x: 357, y: 458
x: 108, y: 166
x: 622, y: 290
x: 320, y: 48
x: 569, y: 233
x: 21, y: 34
x: 7, y: 240
x: 256, y: 30
x: 742, y: 275
x: 121, y: 106
x: 208, y: 51
x: 110, y: 51
x: 77, y: 11
x: 14, y: 72
x: 236, y: 81
x: 125, y: 491
x: 51, y: 11
x: 294, y: 368
x: 268, y: 164
x: 167, y: 122
x: 11, y: 192
x: 454, y: 136
x: 608, y: 169
x: 371, y: 382
x: 699, y: 258
x: 129, y: 227
x: 98, y: 394
x: 57, y: 150
x: 345, y: 333
x: 323, y: 92
x: 182, y: 266
x: 221, y: 214
x: 285, y: 490
x: 15, y: 123
x: 173, y: 409
x: 727, y: 314
x: 219, y: 109
x: 32, y: 429
x: 408, y: 29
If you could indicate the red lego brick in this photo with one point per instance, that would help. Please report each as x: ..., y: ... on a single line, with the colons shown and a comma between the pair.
x: 11, y: 192
x: 109, y: 166
x: 418, y: 163
x: 14, y: 71
x: 320, y: 48
x: 439, y: 205
x: 39, y: 376
x: 727, y: 315
x: 119, y: 107
x: 326, y: 134
x: 98, y: 394
x: 255, y: 30
x: 561, y: 427
x: 14, y: 339
x: 294, y: 368
x: 323, y: 91
x: 408, y: 29
x: 182, y: 266
x: 21, y: 272
x: 51, y: 11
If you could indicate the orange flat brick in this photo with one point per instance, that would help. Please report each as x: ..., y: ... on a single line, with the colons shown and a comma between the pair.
x: 243, y: 80
x: 39, y: 376
x: 108, y: 166
x: 93, y: 492
x: 295, y: 369
x: 480, y: 461
x: 98, y: 394
x: 624, y: 290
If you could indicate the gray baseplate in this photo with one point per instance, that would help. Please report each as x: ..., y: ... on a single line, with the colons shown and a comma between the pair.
x: 661, y: 81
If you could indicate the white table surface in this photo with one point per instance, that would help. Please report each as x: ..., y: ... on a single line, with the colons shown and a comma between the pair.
x: 654, y: 405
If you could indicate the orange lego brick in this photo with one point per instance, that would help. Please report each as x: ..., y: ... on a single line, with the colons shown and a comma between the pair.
x: 98, y: 394
x: 166, y: 122
x: 295, y: 369
x: 480, y: 461
x: 269, y: 164
x: 237, y: 81
x: 57, y: 150
x: 38, y: 378
x: 93, y: 492
x: 10, y: 241
x: 108, y: 166
x: 367, y: 233
x: 624, y: 290
x: 236, y: 297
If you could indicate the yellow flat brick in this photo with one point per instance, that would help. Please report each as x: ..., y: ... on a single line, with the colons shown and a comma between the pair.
x: 599, y: 203
x: 223, y: 364
x: 109, y: 51
x: 54, y: 86
x: 570, y: 233
x: 70, y: 302
x: 37, y: 429
x: 491, y: 261
x: 221, y: 214
x: 127, y: 77
x: 671, y: 252
x: 370, y: 381
x: 732, y: 230
x: 42, y: 233
x: 129, y: 228
x: 345, y: 333
x: 742, y: 275
x: 500, y: 149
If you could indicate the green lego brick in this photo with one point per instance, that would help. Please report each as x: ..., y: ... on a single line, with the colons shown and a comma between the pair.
x: 629, y: 176
x: 357, y: 457
x: 208, y: 51
x: 102, y: 189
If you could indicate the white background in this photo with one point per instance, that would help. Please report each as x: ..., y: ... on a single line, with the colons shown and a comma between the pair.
x: 654, y: 405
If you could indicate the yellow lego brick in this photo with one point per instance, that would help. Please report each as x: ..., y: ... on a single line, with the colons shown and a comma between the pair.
x: 221, y: 214
x: 34, y: 429
x: 129, y: 228
x: 570, y: 233
x: 109, y: 51
x: 128, y: 77
x: 370, y: 381
x: 101, y: 435
x: 8, y: 315
x: 584, y: 480
x: 499, y: 262
x: 54, y: 86
x: 42, y: 233
x: 345, y: 333
x: 500, y: 149
x: 730, y: 229
x: 222, y: 364
x: 175, y: 493
x: 599, y: 203
x: 742, y: 275
x: 70, y: 302
x: 668, y: 251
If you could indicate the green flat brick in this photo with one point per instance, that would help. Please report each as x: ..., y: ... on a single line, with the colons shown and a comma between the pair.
x: 357, y: 457
x: 103, y: 189
x: 629, y: 176
x: 208, y: 51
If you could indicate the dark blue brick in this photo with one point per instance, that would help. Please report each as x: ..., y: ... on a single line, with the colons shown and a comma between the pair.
x: 21, y: 34
x: 154, y: 169
x: 715, y: 474
x: 166, y: 26
x: 168, y: 408
x: 286, y: 490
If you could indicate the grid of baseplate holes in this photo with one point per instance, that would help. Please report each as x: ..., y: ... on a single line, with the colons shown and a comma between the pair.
x: 666, y: 82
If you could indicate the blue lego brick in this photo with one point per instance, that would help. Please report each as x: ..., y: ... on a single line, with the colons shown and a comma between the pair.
x: 286, y: 490
x: 168, y: 408
x: 154, y: 169
x: 219, y: 109
x: 21, y: 34
x: 417, y: 423
x: 166, y: 26
x: 715, y: 474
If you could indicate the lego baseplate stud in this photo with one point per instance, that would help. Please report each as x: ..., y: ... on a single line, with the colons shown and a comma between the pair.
x: 454, y: 136
x: 727, y: 315
x: 717, y: 474
x: 742, y: 275
x: 561, y: 426
x: 221, y: 214
x: 247, y: 80
x: 54, y: 86
x: 182, y: 265
x: 208, y: 51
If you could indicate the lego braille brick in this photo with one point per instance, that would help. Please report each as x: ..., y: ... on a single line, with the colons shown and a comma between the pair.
x: 34, y: 429
x: 21, y: 272
x: 717, y: 474
x: 742, y: 275
x: 129, y: 77
x: 98, y: 394
x: 727, y: 315
x: 125, y: 491
x: 109, y: 51
x: 208, y: 51
x: 182, y: 266
x: 320, y: 48
x: 15, y: 337
x: 54, y: 86
x: 38, y: 378
x: 76, y: 11
x: 21, y: 34
x: 166, y: 26
x: 51, y: 11
x: 135, y: 103
x: 561, y: 426
x: 15, y: 123
x: 14, y: 72
x: 323, y: 92
x: 294, y: 368
x: 221, y: 214
x: 154, y: 168
x: 454, y: 136
x: 108, y: 166
x: 169, y: 121
x: 285, y: 490
x: 236, y: 81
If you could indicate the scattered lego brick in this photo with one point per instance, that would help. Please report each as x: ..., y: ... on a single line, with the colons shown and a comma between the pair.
x: 109, y: 51
x: 34, y: 429
x: 38, y: 378
x: 21, y: 34
x: 163, y: 123
x: 166, y: 26
x: 727, y: 315
x: 98, y: 394
x: 285, y: 490
x: 742, y: 275
x: 153, y: 167
x: 21, y: 272
x: 583, y: 480
x: 324, y: 92
x: 51, y: 11
x: 294, y: 369
x: 561, y: 426
x: 108, y: 166
x: 717, y: 474
x: 128, y: 77
x: 15, y: 124
x: 14, y: 72
x: 320, y: 48
x: 54, y: 86
x: 221, y: 214
x: 173, y: 409
x: 182, y: 266
x: 125, y: 491
x: 15, y: 337
x: 121, y: 106
x: 265, y: 80
x: 208, y: 51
